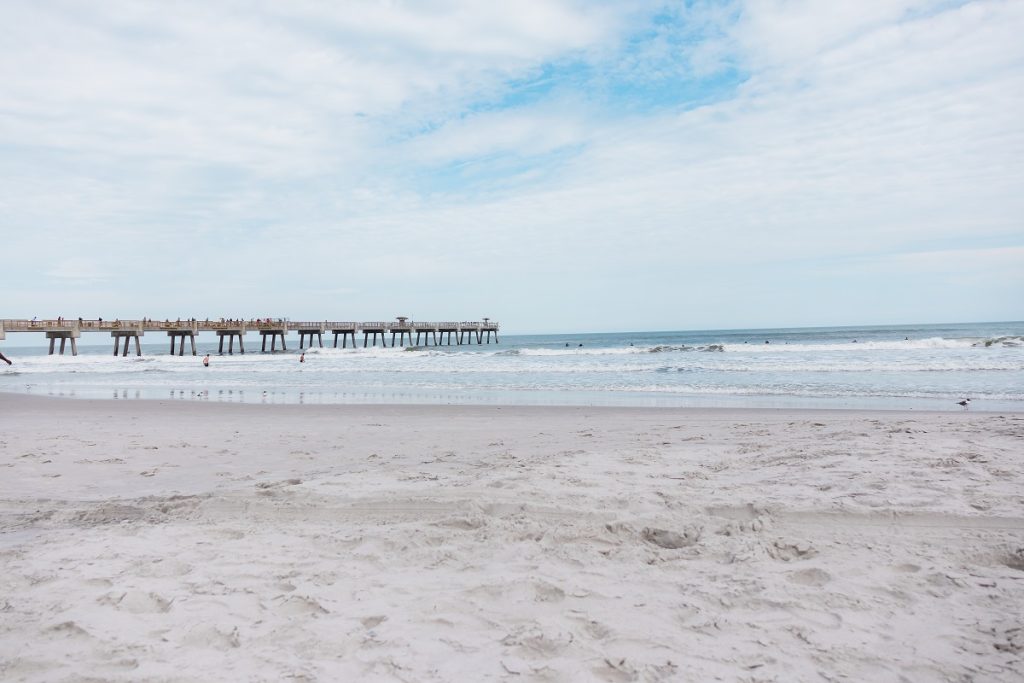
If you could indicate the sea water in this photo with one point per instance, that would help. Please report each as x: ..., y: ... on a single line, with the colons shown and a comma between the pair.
x: 884, y: 367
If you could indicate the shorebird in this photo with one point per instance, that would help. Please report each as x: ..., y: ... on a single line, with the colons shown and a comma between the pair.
x: 966, y: 402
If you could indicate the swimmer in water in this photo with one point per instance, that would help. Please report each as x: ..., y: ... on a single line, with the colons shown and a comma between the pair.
x: 206, y: 361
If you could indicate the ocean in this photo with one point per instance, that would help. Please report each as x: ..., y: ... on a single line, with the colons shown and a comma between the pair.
x: 921, y: 367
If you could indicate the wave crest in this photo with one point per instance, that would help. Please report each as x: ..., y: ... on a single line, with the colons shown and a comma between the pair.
x: 1005, y: 342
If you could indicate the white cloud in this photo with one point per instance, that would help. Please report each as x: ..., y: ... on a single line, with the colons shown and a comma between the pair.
x: 227, y: 139
x: 532, y: 132
x: 212, y: 79
x: 992, y: 262
x: 75, y: 269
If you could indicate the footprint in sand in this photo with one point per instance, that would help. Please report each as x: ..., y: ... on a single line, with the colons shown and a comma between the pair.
x: 787, y: 552
x: 670, y: 539
x: 1014, y: 559
x: 596, y: 630
x: 535, y: 642
x: 164, y: 568
x: 374, y: 621
x: 68, y: 629
x: 617, y: 671
x: 546, y: 592
x: 461, y: 523
x: 136, y: 602
x: 298, y: 605
x: 209, y: 636
x: 810, y: 577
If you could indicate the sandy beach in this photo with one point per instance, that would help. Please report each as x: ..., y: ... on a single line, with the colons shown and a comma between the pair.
x: 176, y: 541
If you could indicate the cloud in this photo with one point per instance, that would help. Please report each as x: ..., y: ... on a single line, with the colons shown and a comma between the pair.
x: 76, y: 270
x: 608, y: 155
x: 257, y: 85
x: 994, y: 263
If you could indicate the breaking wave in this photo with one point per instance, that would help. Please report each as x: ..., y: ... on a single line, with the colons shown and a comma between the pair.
x: 1005, y: 342
x: 981, y: 361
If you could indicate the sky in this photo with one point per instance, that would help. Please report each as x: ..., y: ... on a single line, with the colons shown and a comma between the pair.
x: 558, y: 166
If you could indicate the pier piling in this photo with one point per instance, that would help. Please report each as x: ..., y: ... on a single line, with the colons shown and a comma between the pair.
x: 273, y: 334
x: 64, y: 336
x: 309, y: 330
x: 180, y: 336
x: 127, y: 336
x: 374, y: 331
x: 231, y: 334
x: 401, y: 332
x: 344, y: 334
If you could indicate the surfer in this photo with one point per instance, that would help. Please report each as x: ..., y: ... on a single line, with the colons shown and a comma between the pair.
x: 5, y: 359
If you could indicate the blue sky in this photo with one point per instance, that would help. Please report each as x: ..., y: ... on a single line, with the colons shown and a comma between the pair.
x: 559, y: 166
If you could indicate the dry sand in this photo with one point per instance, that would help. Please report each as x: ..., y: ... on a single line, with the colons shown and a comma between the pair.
x: 155, y: 541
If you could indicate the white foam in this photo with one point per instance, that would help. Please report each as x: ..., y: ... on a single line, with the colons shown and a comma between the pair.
x: 929, y: 367
x: 894, y: 345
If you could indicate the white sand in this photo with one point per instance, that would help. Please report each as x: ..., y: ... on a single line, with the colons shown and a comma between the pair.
x: 153, y: 541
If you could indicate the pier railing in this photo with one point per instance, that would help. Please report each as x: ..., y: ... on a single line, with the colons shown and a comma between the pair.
x: 149, y: 325
x: 64, y: 330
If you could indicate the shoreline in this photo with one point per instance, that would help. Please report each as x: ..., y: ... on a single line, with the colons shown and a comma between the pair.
x: 919, y: 368
x: 167, y: 540
x: 8, y: 397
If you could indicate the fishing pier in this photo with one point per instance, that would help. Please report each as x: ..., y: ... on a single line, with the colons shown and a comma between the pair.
x: 128, y: 331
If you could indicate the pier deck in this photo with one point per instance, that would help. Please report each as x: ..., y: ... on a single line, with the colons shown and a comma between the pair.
x: 178, y: 330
